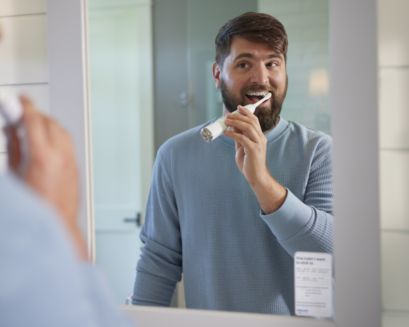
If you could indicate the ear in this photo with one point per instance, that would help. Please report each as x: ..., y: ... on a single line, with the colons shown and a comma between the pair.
x: 216, y: 74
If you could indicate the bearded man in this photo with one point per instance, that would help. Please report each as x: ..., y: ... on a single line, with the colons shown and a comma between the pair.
x: 229, y: 215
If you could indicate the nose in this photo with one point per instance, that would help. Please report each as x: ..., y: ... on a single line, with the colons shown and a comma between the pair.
x: 259, y: 74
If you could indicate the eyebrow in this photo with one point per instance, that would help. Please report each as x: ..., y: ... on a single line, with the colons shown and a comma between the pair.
x: 250, y: 56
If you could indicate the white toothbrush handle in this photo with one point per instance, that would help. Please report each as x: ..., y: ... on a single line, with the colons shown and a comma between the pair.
x: 214, y: 130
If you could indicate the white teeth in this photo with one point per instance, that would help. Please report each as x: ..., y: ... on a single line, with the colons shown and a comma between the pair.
x: 257, y: 94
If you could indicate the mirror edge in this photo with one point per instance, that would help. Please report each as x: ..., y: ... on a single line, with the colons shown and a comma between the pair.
x: 357, y: 274
x: 354, y: 119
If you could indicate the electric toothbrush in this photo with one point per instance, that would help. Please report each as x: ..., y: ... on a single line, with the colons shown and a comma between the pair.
x: 214, y: 130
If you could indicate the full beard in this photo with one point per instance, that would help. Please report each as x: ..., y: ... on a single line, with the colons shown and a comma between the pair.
x: 268, y: 117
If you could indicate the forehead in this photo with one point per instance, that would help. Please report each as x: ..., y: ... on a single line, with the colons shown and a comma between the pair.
x: 241, y: 47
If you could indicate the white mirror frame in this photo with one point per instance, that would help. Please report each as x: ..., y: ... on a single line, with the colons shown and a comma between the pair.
x: 354, y: 123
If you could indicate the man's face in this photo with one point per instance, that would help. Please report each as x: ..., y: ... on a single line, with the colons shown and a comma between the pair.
x: 248, y: 73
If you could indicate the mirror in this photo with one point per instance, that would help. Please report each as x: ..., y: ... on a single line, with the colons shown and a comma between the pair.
x: 127, y: 78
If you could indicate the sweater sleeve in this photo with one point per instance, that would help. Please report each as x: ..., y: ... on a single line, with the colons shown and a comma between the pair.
x: 160, y: 265
x: 307, y: 224
x: 42, y: 281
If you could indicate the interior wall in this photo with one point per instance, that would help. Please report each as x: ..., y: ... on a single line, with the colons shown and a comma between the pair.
x: 23, y: 54
x: 393, y: 70
x: 307, y: 26
x: 184, y: 32
x: 205, y: 101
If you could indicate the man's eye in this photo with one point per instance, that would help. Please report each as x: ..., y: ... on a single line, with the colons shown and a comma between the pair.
x: 273, y: 64
x: 243, y: 65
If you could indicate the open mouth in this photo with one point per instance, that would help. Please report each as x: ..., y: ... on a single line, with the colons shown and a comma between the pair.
x: 253, y: 97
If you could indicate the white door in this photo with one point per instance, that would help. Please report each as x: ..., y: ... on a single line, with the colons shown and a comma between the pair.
x: 119, y: 49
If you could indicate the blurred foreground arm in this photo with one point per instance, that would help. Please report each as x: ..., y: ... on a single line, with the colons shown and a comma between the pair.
x: 43, y: 282
x: 49, y: 167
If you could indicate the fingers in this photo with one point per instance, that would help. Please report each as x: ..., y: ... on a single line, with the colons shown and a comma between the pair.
x: 42, y: 131
x: 28, y: 137
x: 58, y: 137
x: 244, y: 123
x: 34, y: 125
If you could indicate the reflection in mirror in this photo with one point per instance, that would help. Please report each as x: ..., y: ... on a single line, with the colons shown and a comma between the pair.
x: 216, y: 215
x: 120, y: 55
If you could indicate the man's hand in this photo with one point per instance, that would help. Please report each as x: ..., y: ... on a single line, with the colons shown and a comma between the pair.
x: 251, y: 151
x: 250, y: 144
x: 44, y: 159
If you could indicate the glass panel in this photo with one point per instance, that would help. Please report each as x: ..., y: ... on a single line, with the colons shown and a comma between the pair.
x: 115, y: 34
x: 185, y: 92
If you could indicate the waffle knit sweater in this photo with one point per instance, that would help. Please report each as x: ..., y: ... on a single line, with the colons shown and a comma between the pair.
x: 203, y: 220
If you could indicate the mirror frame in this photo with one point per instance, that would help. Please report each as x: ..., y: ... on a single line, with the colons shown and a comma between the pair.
x: 354, y: 123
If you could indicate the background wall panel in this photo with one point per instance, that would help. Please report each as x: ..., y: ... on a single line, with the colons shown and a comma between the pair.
x: 23, y: 50
x: 394, y: 190
x: 393, y: 61
x: 22, y: 7
x: 395, y: 270
x: 392, y: 32
x: 394, y: 107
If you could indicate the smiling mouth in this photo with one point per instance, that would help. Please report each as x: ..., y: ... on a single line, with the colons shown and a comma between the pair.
x: 253, y: 97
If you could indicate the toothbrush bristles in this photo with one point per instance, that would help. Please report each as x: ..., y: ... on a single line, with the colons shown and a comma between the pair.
x: 266, y: 97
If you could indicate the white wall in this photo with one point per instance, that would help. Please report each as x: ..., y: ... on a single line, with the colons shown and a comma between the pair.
x: 307, y: 26
x: 394, y: 158
x: 23, y: 53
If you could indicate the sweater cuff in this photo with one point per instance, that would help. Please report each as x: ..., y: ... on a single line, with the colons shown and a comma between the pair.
x: 289, y: 219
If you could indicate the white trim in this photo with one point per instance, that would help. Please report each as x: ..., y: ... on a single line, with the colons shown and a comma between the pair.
x: 146, y: 316
x: 354, y: 119
x: 107, y: 4
x: 69, y: 93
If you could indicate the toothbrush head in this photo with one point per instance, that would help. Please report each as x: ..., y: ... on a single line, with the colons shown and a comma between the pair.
x: 252, y: 107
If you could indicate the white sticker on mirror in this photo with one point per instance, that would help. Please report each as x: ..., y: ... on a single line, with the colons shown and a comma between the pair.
x: 313, y: 284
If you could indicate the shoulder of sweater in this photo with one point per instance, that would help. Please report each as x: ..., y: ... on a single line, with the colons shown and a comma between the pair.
x: 186, y: 139
x: 36, y: 215
x: 309, y: 134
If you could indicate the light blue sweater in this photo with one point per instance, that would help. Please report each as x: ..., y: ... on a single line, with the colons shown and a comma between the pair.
x: 42, y: 282
x: 203, y: 219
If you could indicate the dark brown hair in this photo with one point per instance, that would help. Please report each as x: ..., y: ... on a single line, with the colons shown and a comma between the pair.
x: 254, y: 27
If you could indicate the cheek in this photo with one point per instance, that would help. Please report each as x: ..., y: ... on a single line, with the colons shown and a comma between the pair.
x: 231, y: 84
x: 279, y: 81
x: 228, y: 80
x: 231, y: 79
